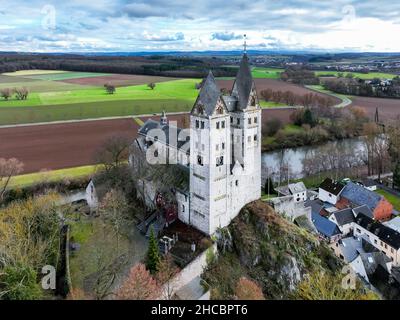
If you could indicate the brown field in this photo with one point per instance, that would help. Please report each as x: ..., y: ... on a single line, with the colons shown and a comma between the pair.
x: 276, y: 85
x: 58, y: 146
x: 388, y: 108
x: 118, y: 80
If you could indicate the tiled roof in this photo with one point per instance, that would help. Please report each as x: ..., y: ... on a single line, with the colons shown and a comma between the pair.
x: 324, y: 225
x: 384, y: 233
x: 360, y: 196
x: 344, y: 217
x: 332, y: 187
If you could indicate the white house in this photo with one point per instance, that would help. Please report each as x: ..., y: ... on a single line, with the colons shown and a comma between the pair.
x: 297, y: 190
x: 329, y: 191
x: 344, y: 219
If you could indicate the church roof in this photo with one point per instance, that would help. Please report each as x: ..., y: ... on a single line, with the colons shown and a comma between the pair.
x: 243, y: 83
x: 209, y: 95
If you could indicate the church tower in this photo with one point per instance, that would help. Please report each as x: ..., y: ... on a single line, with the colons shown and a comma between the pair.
x: 210, y: 153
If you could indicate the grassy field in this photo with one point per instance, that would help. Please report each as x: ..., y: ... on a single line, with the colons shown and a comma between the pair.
x: 171, y: 90
x: 266, y: 73
x: 271, y: 104
x: 27, y: 180
x: 395, y: 201
x: 365, y: 76
x: 66, y: 75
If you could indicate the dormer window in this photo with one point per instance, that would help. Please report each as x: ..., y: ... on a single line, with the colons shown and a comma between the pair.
x: 220, y: 110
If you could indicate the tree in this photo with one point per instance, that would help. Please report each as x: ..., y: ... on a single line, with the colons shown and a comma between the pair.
x: 272, y: 126
x: 248, y: 290
x: 8, y: 169
x: 151, y: 85
x: 153, y: 255
x: 167, y: 270
x: 325, y: 286
x: 139, y: 285
x: 19, y: 283
x: 6, y: 93
x: 269, y: 186
x: 110, y: 88
x: 308, y: 117
x: 21, y: 93
x: 113, y: 152
x: 396, y: 176
x: 114, y: 208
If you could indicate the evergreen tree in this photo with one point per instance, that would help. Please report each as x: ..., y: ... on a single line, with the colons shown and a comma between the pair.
x: 153, y: 255
x: 308, y: 117
x: 396, y: 176
x: 269, y: 186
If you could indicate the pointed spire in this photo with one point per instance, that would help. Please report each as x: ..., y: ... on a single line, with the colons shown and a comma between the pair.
x: 243, y: 82
x: 209, y: 95
x: 245, y: 44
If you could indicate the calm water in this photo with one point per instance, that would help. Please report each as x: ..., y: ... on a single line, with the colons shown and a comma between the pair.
x: 294, y: 157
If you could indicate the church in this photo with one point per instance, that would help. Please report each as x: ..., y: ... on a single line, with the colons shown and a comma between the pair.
x: 206, y: 174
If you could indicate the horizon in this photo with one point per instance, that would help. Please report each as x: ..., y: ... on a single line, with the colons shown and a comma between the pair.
x: 176, y: 26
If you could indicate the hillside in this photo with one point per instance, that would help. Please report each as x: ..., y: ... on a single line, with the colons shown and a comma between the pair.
x: 285, y: 261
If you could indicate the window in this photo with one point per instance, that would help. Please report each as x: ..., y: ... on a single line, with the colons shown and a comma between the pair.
x: 218, y: 125
x: 197, y: 124
x: 200, y: 160
x: 220, y: 161
x: 255, y: 137
x: 183, y: 208
x: 223, y: 146
x: 238, y: 121
x: 358, y: 230
x: 217, y: 147
x: 202, y: 124
x: 223, y: 124
x: 231, y: 119
x: 255, y: 119
x: 375, y: 241
x: 249, y: 120
x: 237, y: 183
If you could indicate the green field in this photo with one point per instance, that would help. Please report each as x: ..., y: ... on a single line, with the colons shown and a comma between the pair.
x: 29, y: 179
x: 171, y: 90
x: 22, y: 73
x: 266, y: 73
x: 365, y: 76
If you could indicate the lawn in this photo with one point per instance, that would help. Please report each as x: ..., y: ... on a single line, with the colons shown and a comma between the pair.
x: 29, y: 179
x: 266, y: 73
x: 292, y: 129
x: 365, y: 76
x: 271, y: 104
x: 90, y: 110
x: 394, y: 200
x: 171, y: 90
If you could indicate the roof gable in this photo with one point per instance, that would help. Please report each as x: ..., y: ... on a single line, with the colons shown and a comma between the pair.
x: 361, y: 196
x: 332, y: 187
x: 324, y: 225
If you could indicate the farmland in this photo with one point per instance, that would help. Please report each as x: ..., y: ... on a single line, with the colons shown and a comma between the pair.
x: 365, y: 76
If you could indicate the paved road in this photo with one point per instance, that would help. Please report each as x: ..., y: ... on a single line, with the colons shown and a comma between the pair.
x: 345, y: 101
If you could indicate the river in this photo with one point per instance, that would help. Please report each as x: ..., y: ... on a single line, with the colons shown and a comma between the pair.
x: 293, y: 157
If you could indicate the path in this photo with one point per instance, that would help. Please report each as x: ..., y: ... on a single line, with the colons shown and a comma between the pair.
x: 345, y: 101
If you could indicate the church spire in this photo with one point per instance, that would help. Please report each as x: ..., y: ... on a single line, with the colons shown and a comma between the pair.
x: 245, y: 44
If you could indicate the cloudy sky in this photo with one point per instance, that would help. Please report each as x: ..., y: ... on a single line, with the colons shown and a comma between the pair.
x: 162, y: 25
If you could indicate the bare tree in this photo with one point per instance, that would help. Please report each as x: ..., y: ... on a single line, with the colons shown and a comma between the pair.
x: 151, y: 85
x: 6, y: 93
x: 167, y: 270
x: 110, y: 88
x: 21, y: 93
x: 113, y: 152
x: 8, y: 169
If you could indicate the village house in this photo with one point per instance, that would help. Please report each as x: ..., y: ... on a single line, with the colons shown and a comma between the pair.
x: 380, y: 236
x: 344, y: 219
x: 330, y: 190
x: 298, y: 191
x: 355, y: 195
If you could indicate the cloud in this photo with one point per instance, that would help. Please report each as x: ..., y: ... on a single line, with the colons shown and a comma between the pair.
x: 201, y: 25
x: 225, y: 36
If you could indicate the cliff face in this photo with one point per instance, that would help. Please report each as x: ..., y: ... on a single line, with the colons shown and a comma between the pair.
x: 274, y: 253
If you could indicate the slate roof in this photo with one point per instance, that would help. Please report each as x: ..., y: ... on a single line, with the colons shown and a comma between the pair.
x: 209, y: 95
x: 350, y: 248
x: 150, y: 125
x: 384, y: 233
x: 324, y: 225
x: 316, y: 205
x: 344, y: 216
x: 333, y: 187
x: 297, y: 187
x: 360, y: 196
x: 364, y: 210
x: 243, y: 83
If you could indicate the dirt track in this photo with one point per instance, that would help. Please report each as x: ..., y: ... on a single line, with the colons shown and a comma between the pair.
x: 60, y: 145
